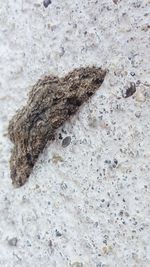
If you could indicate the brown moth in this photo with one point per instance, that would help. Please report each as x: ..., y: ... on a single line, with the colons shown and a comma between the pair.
x: 51, y: 102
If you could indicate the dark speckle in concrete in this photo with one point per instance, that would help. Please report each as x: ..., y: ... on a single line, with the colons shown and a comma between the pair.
x: 130, y: 90
x: 46, y: 3
x: 13, y: 241
x: 66, y: 141
x: 58, y: 234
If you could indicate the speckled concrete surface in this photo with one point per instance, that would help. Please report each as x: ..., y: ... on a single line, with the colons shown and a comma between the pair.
x: 86, y: 204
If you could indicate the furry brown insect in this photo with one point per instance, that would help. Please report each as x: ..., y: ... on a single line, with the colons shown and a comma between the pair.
x: 51, y: 102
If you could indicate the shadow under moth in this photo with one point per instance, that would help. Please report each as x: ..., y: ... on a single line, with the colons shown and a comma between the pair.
x: 51, y: 102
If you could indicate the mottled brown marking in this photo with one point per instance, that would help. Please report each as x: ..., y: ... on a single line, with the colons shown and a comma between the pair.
x: 51, y: 102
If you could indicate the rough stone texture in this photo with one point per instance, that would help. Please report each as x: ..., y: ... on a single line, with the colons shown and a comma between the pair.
x: 100, y: 206
x: 52, y: 101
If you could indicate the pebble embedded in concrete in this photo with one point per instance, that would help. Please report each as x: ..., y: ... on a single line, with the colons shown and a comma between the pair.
x: 66, y: 141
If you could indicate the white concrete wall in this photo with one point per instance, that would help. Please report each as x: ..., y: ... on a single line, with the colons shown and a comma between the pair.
x: 79, y: 208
